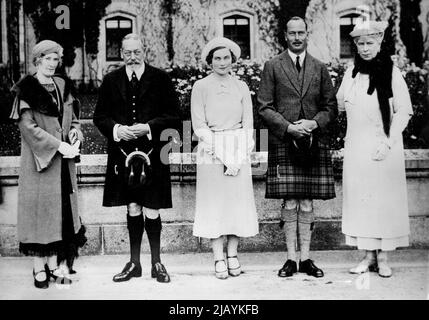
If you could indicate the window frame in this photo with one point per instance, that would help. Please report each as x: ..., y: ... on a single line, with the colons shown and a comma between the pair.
x: 118, y: 19
x: 251, y: 21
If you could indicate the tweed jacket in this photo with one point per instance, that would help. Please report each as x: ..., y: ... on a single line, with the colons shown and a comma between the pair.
x: 281, y: 95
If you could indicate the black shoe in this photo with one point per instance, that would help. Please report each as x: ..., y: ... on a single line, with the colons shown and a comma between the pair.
x: 44, y: 284
x: 160, y: 273
x: 130, y: 270
x: 310, y: 268
x: 288, y: 269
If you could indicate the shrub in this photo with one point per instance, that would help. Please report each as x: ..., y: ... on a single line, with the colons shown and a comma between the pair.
x: 184, y: 78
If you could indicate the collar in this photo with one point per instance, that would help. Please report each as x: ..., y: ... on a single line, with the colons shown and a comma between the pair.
x: 294, y: 55
x: 139, y: 72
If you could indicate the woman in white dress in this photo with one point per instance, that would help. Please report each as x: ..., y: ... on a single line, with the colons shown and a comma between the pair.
x: 222, y: 119
x: 377, y: 102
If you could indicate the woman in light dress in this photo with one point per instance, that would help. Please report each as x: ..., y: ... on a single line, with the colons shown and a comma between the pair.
x: 222, y: 119
x: 377, y: 102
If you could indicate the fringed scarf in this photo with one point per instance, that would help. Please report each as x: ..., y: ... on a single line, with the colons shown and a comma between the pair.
x: 380, y: 78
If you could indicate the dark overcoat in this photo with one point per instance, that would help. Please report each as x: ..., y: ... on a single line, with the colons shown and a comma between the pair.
x: 157, y: 105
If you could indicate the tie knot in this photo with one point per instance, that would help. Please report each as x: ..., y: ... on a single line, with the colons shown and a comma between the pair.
x: 298, y: 65
x: 134, y: 76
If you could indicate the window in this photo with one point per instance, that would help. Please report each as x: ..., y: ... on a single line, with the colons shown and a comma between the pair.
x: 237, y: 28
x: 116, y: 29
x: 347, y: 23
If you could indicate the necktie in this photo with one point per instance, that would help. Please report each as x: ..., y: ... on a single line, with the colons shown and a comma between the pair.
x: 298, y: 66
x: 134, y: 80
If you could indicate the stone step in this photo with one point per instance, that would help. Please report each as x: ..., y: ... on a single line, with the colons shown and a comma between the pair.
x: 178, y: 238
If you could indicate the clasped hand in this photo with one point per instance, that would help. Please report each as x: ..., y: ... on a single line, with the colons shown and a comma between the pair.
x: 69, y: 151
x: 133, y: 132
x: 381, y: 152
x: 302, y: 128
x: 231, y: 170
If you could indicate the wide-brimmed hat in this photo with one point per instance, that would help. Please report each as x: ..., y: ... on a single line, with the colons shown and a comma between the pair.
x: 221, y: 42
x: 367, y: 28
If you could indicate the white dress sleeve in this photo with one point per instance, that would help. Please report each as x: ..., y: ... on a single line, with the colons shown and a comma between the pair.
x: 341, y: 94
x: 198, y: 117
x: 401, y: 106
x: 247, y: 118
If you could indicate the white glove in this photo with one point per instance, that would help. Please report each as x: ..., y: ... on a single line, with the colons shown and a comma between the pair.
x: 73, y: 136
x: 231, y: 170
x: 68, y: 151
x: 381, y: 152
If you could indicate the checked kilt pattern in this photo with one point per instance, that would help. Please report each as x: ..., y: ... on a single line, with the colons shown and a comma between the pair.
x: 285, y: 180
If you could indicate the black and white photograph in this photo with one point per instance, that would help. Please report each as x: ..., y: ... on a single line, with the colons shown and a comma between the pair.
x: 214, y: 154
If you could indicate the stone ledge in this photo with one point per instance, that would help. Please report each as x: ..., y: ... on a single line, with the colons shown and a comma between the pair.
x: 178, y: 238
x: 92, y: 168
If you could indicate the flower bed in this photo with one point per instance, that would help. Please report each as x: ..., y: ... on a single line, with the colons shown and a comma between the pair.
x: 185, y: 76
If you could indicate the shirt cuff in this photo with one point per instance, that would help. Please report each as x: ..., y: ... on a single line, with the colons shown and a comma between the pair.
x: 149, y: 135
x: 115, y: 133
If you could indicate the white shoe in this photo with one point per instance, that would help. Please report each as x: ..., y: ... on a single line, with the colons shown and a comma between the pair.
x: 364, y: 266
x: 384, y: 270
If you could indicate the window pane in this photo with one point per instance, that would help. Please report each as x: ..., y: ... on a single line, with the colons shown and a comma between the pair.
x: 228, y: 22
x: 111, y: 24
x: 123, y: 24
x: 242, y: 22
x: 347, y: 47
x: 345, y: 21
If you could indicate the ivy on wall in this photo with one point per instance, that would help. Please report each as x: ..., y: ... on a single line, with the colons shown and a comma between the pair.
x: 268, y: 14
x: 411, y: 30
x: 170, y: 7
x: 84, y: 24
x: 12, y: 20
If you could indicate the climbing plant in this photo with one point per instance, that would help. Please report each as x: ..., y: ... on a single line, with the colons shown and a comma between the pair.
x: 12, y: 21
x: 84, y: 24
x: 267, y: 13
x: 411, y: 30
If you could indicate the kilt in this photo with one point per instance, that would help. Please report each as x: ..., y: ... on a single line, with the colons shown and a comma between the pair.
x: 287, y: 181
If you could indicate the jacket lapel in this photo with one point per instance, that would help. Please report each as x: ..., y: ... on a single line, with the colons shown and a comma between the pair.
x: 121, y: 82
x: 65, y: 116
x: 290, y: 70
x: 145, y: 80
x: 308, y: 73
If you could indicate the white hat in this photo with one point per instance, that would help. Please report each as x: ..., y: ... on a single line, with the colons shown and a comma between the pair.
x: 221, y: 42
x: 367, y: 28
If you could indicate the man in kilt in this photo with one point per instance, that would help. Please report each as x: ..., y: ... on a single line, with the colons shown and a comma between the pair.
x: 296, y: 101
x: 135, y: 104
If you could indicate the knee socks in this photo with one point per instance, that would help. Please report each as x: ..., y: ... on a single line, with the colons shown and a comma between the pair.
x: 135, y: 226
x: 153, y: 229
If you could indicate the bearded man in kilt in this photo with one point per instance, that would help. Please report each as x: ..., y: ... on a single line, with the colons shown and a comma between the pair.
x: 296, y: 101
x: 136, y: 103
